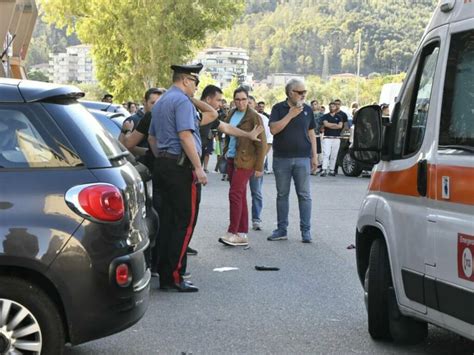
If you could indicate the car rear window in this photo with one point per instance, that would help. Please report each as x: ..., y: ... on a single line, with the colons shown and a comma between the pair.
x: 95, y: 145
x: 28, y: 140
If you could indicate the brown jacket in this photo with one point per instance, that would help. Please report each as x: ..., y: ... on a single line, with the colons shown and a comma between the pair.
x: 249, y: 154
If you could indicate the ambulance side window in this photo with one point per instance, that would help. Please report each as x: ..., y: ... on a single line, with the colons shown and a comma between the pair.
x: 457, y: 114
x: 411, y: 121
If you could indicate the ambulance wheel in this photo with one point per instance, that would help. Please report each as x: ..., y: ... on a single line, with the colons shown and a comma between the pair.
x: 376, y: 286
x: 404, y: 330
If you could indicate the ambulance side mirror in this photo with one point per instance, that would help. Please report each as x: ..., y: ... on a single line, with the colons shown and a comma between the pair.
x: 367, y: 145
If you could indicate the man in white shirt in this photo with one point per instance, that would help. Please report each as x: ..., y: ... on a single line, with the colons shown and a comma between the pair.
x: 256, y: 183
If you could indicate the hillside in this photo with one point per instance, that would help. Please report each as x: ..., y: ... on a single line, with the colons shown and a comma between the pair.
x: 292, y: 35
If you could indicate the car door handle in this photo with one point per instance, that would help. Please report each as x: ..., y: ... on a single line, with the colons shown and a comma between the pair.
x: 422, y: 177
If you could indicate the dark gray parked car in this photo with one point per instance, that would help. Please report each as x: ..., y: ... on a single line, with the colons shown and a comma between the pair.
x: 74, y: 223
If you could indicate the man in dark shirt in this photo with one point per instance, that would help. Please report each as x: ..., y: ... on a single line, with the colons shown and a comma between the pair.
x: 333, y: 124
x: 345, y: 128
x: 261, y: 109
x: 294, y: 156
x: 135, y: 131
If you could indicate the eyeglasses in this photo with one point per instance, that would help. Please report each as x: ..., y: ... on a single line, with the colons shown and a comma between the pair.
x: 303, y: 92
x: 193, y: 78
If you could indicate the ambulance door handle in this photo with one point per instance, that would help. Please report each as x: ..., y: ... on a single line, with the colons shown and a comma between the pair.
x: 422, y: 178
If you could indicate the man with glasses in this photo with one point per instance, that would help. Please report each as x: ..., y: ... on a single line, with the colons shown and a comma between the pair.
x: 178, y: 173
x: 294, y: 157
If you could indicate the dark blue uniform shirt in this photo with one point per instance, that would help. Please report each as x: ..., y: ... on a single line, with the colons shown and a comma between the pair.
x: 293, y: 141
x: 174, y: 113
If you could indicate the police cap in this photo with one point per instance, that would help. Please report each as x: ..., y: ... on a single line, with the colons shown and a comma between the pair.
x: 187, y: 69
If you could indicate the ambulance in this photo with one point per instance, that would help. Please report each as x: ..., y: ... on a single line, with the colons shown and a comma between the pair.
x: 415, y: 229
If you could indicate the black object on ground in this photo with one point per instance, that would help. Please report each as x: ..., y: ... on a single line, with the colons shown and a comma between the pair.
x: 267, y: 268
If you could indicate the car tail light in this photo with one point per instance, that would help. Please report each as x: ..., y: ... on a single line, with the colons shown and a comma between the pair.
x: 122, y: 275
x: 101, y: 202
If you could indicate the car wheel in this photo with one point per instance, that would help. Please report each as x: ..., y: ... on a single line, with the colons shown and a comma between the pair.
x: 350, y: 167
x: 29, y: 320
x: 376, y: 287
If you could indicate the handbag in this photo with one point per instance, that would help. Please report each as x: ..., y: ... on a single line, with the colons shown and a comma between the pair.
x: 222, y: 165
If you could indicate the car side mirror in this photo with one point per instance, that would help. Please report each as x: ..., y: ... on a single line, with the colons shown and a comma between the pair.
x: 367, y: 145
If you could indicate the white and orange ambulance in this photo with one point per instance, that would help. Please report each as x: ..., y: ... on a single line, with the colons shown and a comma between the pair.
x: 415, y: 230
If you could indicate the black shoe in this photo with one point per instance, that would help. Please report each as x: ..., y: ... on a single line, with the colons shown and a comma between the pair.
x: 191, y: 251
x: 183, y: 286
x: 332, y: 173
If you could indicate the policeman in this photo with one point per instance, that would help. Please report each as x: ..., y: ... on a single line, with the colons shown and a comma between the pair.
x: 178, y: 173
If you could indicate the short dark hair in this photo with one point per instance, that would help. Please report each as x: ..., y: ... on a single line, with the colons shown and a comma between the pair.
x: 261, y: 103
x: 210, y: 91
x: 108, y: 95
x: 313, y: 101
x: 241, y: 89
x: 152, y: 91
x: 177, y: 76
x: 338, y: 100
x: 252, y: 98
x: 130, y: 103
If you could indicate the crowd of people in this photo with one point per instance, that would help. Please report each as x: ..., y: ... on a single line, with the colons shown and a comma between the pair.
x: 176, y: 133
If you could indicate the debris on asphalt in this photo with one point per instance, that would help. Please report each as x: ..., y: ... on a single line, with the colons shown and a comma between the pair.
x: 226, y: 268
x: 267, y: 268
x: 351, y: 246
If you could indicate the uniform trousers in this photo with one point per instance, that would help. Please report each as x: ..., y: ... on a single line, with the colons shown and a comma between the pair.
x: 178, y: 211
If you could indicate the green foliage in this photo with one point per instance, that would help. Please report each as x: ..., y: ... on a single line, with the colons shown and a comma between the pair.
x: 93, y: 92
x: 229, y: 90
x: 135, y: 42
x: 204, y: 80
x: 38, y: 76
x: 291, y: 35
x: 325, y: 91
x: 47, y: 39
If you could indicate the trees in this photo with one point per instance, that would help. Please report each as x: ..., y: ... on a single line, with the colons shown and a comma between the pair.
x: 287, y: 36
x: 135, y: 42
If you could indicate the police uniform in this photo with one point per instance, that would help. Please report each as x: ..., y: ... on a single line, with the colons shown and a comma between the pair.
x: 174, y: 180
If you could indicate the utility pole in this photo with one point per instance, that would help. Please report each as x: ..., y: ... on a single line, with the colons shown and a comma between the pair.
x: 325, y: 73
x: 358, y: 66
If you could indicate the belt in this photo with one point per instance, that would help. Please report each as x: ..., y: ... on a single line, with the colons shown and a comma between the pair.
x: 332, y: 137
x: 165, y: 154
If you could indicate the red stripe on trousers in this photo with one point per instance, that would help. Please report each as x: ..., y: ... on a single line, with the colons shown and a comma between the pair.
x: 189, y: 231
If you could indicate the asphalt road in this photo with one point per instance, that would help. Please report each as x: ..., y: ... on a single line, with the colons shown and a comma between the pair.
x: 314, y: 304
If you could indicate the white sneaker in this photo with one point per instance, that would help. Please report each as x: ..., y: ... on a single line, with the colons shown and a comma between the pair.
x: 234, y: 239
